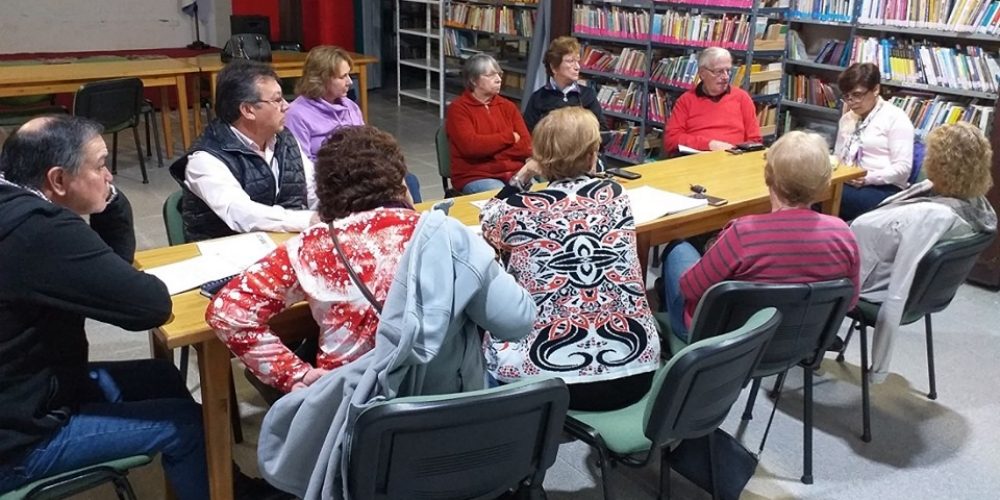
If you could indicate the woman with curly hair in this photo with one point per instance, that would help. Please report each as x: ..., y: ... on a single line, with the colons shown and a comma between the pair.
x: 950, y: 204
x: 572, y: 245
x: 364, y: 204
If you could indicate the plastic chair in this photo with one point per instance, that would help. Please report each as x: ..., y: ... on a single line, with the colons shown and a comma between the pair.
x: 444, y: 162
x: 149, y: 116
x: 117, y: 105
x: 70, y: 483
x: 811, y: 315
x: 475, y: 445
x: 689, y: 398
x: 939, y: 274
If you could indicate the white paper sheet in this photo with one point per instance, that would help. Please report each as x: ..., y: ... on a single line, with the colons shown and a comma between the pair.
x: 219, y: 258
x: 649, y: 203
x: 688, y: 151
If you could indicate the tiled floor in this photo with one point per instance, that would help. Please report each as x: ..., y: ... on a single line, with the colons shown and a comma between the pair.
x: 921, y: 448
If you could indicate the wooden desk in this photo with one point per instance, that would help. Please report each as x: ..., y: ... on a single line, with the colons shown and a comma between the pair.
x: 37, y: 79
x: 740, y: 179
x: 289, y: 65
x: 737, y: 178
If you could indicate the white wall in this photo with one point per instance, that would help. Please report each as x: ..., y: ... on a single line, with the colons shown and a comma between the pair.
x: 82, y: 25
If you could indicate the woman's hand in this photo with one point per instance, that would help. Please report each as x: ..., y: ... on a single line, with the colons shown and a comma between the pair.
x: 309, y: 378
x: 857, y: 183
x: 517, y: 138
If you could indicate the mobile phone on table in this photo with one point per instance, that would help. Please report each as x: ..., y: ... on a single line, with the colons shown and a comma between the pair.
x: 624, y: 174
x: 715, y: 201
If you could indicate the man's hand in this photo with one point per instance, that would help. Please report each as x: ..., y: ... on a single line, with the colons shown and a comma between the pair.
x: 310, y: 377
x: 719, y: 146
x: 517, y: 138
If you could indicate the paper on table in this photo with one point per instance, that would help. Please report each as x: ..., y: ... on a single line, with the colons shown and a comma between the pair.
x: 219, y: 258
x: 649, y: 203
x: 686, y: 150
x: 480, y: 203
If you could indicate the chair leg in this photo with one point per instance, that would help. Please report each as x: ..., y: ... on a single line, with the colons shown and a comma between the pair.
x: 866, y: 435
x: 712, y: 463
x: 751, y: 398
x: 149, y: 149
x: 664, y: 474
x: 604, y: 462
x: 123, y: 488
x: 234, y: 413
x: 847, y: 340
x: 779, y: 383
x: 930, y: 356
x: 156, y: 140
x: 807, y: 426
x: 114, y: 153
x: 183, y: 365
x: 142, y: 159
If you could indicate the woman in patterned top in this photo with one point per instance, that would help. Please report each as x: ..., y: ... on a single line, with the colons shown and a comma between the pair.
x: 359, y: 183
x: 573, y: 247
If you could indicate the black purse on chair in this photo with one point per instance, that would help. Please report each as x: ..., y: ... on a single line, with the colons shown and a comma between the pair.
x: 250, y: 46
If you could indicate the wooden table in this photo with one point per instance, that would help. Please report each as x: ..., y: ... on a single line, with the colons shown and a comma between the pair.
x: 35, y: 79
x: 289, y: 65
x: 739, y: 179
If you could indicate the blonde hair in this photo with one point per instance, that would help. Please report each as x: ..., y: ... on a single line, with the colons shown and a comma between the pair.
x: 321, y: 62
x: 958, y: 160
x: 565, y: 141
x: 798, y: 168
x: 558, y: 49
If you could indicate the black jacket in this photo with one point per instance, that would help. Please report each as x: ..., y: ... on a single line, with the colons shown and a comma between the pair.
x: 546, y: 99
x: 55, y: 271
x: 250, y: 170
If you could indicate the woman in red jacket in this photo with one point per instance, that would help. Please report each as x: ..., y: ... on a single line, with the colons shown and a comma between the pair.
x: 487, y: 137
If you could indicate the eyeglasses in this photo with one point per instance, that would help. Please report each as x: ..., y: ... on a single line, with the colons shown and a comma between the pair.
x: 493, y: 74
x: 719, y: 72
x: 855, y: 96
x: 277, y: 102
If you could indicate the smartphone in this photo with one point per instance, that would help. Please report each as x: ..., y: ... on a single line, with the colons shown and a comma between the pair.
x: 624, y: 174
x: 714, y: 201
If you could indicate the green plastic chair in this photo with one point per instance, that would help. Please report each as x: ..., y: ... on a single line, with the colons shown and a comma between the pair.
x: 444, y: 162
x: 70, y: 483
x: 172, y: 220
x: 473, y: 445
x: 689, y: 398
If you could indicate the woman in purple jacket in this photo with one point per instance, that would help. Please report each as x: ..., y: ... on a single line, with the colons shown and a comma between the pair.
x: 323, y: 106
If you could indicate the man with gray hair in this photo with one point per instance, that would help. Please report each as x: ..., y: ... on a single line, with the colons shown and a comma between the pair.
x: 58, y: 410
x: 714, y: 115
x: 246, y: 172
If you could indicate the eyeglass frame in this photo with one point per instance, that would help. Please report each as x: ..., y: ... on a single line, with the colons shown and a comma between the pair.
x: 854, y: 96
x: 277, y: 101
x: 719, y: 72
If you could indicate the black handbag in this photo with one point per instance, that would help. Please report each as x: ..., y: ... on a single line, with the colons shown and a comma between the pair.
x: 250, y: 46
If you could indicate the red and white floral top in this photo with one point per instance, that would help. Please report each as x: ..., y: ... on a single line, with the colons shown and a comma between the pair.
x: 307, y: 267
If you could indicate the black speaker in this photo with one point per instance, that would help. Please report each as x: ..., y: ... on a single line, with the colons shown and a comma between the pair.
x: 260, y: 25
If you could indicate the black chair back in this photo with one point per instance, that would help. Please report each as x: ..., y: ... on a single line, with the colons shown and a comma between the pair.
x: 115, y: 104
x: 941, y: 271
x: 696, y: 389
x: 472, y: 445
x: 811, y: 315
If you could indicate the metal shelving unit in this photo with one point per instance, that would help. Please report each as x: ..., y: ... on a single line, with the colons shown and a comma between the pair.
x: 432, y: 64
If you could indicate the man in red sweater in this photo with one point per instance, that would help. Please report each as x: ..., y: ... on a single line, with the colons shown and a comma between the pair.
x: 487, y: 137
x: 714, y: 115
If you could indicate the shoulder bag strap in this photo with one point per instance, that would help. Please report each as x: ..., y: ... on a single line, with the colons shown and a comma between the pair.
x: 350, y: 271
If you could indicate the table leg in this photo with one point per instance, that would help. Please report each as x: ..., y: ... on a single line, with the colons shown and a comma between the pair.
x: 196, y: 102
x: 831, y: 206
x: 157, y: 350
x: 213, y: 80
x: 168, y: 130
x: 363, y: 91
x: 182, y: 110
x: 642, y: 243
x: 215, y: 370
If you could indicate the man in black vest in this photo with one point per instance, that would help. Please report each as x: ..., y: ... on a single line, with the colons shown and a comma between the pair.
x: 246, y: 172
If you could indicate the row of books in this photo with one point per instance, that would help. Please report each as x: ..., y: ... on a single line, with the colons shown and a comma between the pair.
x: 980, y: 16
x: 680, y: 71
x: 611, y: 22
x: 626, y: 100
x: 767, y: 115
x: 811, y: 90
x: 659, y: 106
x: 833, y: 52
x: 926, y: 113
x: 970, y: 68
x: 738, y: 4
x: 627, y: 143
x: 503, y: 20
x: 629, y: 62
x: 703, y: 30
x: 838, y: 11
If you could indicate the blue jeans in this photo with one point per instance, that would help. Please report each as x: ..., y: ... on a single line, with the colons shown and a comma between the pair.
x: 678, y: 257
x: 146, y: 409
x: 413, y: 185
x: 857, y: 201
x: 480, y: 185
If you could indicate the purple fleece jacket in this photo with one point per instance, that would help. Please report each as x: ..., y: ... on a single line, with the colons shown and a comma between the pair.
x: 312, y: 120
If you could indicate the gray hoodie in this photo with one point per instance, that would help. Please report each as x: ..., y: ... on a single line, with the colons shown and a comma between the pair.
x: 427, y: 342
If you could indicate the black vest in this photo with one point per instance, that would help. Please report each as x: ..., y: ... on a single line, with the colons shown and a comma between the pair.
x: 250, y: 170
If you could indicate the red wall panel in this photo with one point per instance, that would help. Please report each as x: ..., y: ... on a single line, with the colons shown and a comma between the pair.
x: 324, y: 22
x: 267, y: 8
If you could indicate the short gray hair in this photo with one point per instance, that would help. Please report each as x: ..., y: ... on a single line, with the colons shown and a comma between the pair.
x: 46, y: 142
x: 712, y: 53
x: 477, y: 66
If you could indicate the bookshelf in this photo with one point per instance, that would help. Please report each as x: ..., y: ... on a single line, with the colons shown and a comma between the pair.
x: 642, y: 54
x: 934, y: 61
x: 420, y: 52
